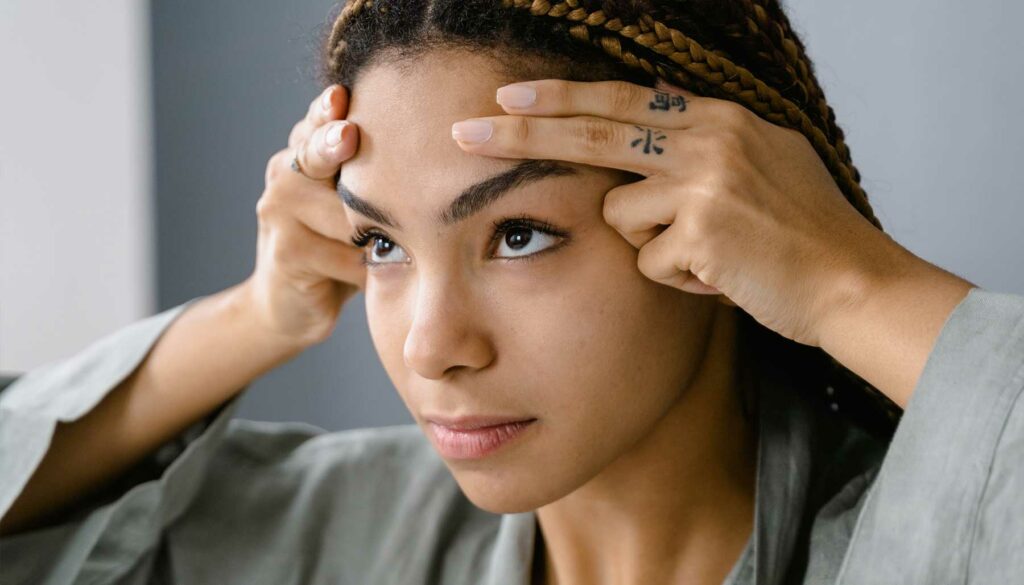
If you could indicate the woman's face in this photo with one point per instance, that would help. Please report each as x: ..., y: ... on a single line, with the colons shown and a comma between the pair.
x: 554, y: 325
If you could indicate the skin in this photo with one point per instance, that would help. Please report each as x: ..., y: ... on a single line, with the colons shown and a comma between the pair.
x: 640, y: 465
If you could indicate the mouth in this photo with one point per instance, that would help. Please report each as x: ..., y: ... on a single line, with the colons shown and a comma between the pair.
x: 473, y: 422
x: 475, y: 437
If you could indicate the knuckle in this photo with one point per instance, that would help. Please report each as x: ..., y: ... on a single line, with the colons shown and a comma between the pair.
x: 729, y: 143
x: 647, y: 261
x: 314, y: 111
x: 562, y: 91
x: 695, y: 221
x: 521, y: 129
x: 733, y: 112
x: 297, y: 133
x: 610, y: 210
x: 594, y: 135
x: 625, y: 96
x: 265, y: 206
x: 272, y: 168
x: 613, y: 207
x: 276, y: 165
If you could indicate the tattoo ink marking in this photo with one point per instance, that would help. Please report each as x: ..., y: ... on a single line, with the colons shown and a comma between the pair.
x: 650, y: 137
x: 664, y: 102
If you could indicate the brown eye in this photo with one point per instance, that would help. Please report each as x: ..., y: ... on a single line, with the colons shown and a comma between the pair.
x: 521, y: 241
x: 518, y: 238
x: 381, y: 248
x: 383, y: 251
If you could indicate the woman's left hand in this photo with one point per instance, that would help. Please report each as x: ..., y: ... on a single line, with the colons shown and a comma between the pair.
x: 732, y: 204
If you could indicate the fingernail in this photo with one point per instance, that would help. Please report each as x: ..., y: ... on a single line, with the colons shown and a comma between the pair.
x: 333, y: 135
x: 325, y: 100
x: 517, y: 96
x: 472, y: 130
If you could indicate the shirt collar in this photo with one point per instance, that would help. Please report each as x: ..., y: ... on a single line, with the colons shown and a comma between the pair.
x: 784, y: 458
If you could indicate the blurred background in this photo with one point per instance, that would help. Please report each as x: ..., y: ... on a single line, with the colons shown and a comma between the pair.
x: 134, y: 137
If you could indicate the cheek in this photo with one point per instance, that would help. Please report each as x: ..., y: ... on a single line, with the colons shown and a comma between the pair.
x: 622, y: 349
x: 607, y: 338
x: 387, y: 321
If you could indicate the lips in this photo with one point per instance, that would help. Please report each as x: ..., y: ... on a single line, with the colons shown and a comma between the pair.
x: 468, y: 423
x: 478, y: 442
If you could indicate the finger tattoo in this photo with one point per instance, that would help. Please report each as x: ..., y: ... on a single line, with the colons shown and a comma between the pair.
x: 665, y: 101
x: 649, y: 138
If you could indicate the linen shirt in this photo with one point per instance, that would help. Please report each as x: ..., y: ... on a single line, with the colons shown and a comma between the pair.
x: 240, y: 501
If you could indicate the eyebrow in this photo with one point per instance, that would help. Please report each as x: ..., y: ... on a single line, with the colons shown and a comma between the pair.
x: 472, y: 199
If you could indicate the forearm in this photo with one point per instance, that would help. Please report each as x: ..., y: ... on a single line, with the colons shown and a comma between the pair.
x: 204, y: 358
x: 886, y: 335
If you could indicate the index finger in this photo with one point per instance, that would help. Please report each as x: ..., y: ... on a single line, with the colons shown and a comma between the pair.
x: 331, y: 104
x: 664, y: 106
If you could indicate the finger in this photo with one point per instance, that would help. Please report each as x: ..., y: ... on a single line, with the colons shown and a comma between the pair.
x: 330, y: 258
x: 583, y: 139
x: 320, y: 209
x: 331, y: 104
x: 640, y: 211
x: 320, y: 156
x: 665, y: 260
x: 662, y: 106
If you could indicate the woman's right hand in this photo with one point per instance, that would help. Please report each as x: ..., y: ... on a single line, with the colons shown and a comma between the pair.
x: 306, y: 267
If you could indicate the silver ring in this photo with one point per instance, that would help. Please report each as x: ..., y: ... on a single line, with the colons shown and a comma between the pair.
x: 296, y: 166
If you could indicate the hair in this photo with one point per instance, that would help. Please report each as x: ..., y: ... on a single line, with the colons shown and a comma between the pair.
x: 739, y: 50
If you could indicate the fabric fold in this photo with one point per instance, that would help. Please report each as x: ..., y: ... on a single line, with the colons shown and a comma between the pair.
x: 917, y: 523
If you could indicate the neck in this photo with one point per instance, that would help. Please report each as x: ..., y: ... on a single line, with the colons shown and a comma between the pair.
x: 679, y: 506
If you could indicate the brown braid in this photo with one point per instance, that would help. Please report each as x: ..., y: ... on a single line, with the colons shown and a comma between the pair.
x: 336, y: 42
x: 743, y: 45
x: 794, y: 60
x: 712, y: 69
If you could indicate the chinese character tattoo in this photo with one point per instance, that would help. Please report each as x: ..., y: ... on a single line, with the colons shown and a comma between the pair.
x: 649, y: 138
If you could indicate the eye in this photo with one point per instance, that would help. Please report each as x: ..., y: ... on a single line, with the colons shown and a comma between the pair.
x: 382, y: 250
x: 520, y: 238
x: 516, y: 238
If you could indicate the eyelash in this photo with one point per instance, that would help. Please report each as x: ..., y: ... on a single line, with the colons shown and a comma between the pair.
x: 363, y: 236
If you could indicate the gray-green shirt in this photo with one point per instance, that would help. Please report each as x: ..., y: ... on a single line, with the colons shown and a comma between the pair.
x: 248, y: 502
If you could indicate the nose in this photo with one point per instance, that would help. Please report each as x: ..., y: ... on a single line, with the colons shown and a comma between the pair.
x: 446, y: 333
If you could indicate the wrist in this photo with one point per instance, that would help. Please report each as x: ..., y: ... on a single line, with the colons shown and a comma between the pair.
x: 242, y: 311
x: 858, y: 283
x: 892, y: 306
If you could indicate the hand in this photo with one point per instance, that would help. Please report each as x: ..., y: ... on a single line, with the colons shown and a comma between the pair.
x: 728, y: 204
x: 306, y: 269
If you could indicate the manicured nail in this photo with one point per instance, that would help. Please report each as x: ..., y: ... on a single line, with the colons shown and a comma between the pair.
x: 325, y: 100
x: 472, y: 130
x: 517, y: 96
x: 333, y: 135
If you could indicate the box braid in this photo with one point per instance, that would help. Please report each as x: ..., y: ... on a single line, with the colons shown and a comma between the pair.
x: 740, y: 50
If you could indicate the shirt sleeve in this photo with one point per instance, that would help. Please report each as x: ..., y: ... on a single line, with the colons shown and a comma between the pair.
x: 946, y: 504
x: 108, y: 534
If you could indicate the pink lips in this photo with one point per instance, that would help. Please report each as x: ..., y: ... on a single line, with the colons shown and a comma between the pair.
x: 475, y: 437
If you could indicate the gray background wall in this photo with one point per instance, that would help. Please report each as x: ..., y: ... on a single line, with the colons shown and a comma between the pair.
x: 75, y: 175
x: 927, y: 94
x: 230, y: 80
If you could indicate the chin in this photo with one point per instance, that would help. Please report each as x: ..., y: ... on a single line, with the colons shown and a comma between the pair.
x: 497, y: 493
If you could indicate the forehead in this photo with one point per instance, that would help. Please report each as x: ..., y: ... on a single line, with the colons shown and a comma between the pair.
x: 405, y: 113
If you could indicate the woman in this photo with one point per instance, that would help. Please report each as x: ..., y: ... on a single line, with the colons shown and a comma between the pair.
x: 669, y: 302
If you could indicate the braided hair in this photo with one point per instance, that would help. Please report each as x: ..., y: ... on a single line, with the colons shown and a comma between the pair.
x: 739, y: 50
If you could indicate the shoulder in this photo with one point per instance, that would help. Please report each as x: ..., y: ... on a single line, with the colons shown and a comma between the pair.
x: 295, y: 491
